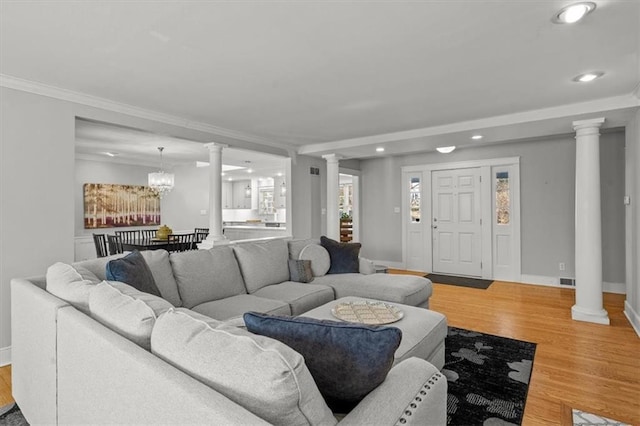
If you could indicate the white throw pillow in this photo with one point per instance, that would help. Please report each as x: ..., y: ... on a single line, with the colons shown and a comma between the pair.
x: 126, y: 310
x: 71, y: 284
x: 319, y: 257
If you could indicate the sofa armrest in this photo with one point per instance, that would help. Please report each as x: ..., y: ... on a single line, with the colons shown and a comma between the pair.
x: 414, y: 393
x: 34, y: 315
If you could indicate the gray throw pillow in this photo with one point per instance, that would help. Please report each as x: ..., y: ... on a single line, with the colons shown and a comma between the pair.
x: 300, y: 271
x: 346, y: 360
x: 133, y: 270
x: 344, y: 256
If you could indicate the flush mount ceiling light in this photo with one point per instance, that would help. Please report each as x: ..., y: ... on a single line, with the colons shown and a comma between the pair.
x: 380, y: 149
x: 476, y: 137
x: 445, y: 149
x: 588, y: 76
x: 573, y: 13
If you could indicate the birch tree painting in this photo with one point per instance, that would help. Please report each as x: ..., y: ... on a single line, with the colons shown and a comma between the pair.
x: 110, y: 206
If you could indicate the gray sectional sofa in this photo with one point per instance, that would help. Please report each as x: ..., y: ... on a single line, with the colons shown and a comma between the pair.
x: 89, y: 352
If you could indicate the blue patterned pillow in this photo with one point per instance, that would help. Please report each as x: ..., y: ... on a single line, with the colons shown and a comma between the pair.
x: 344, y: 256
x: 346, y: 360
x: 132, y: 269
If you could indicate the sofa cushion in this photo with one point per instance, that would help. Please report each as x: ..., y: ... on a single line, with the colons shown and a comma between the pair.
x: 300, y: 271
x: 233, y: 306
x: 344, y: 256
x: 409, y: 290
x: 206, y: 275
x: 132, y: 269
x: 71, y: 284
x: 99, y: 265
x: 127, y: 310
x: 319, y: 257
x: 300, y: 297
x: 263, y: 263
x: 160, y: 266
x: 346, y: 360
x: 261, y: 374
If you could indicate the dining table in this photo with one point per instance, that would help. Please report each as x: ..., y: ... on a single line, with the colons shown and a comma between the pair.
x: 146, y: 244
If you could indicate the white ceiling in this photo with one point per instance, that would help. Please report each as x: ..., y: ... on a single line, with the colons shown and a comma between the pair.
x: 339, y: 76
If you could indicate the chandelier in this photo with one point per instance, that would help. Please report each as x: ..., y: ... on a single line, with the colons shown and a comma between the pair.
x: 161, y: 182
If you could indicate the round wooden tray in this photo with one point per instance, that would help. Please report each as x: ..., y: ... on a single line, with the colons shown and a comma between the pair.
x: 367, y: 312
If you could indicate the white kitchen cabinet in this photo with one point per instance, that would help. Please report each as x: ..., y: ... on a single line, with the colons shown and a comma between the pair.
x: 279, y: 198
x: 240, y: 199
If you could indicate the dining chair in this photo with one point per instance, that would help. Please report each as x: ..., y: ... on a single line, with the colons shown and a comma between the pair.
x: 180, y: 242
x: 200, y: 234
x: 129, y: 236
x: 148, y: 234
x: 115, y: 244
x: 100, y: 241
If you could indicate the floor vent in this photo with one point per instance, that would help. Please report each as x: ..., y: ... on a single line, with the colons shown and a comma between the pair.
x: 568, y: 281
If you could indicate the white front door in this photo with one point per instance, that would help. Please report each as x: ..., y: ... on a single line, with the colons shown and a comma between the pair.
x: 456, y: 221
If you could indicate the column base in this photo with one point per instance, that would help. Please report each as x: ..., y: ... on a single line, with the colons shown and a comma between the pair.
x: 596, y: 316
x: 212, y: 241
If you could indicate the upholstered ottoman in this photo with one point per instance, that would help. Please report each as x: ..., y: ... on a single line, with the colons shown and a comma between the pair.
x: 423, y: 331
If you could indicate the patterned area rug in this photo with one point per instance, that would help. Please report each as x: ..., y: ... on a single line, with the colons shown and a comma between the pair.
x: 10, y: 415
x: 488, y: 378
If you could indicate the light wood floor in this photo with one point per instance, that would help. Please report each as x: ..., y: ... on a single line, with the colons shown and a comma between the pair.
x: 591, y: 367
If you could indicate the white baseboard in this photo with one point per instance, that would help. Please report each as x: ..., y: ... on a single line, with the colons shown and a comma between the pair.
x: 632, y: 316
x: 619, y: 288
x: 5, y: 356
x: 540, y: 280
x: 607, y: 287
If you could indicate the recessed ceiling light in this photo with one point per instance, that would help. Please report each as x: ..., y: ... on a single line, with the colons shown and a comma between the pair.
x: 445, y: 149
x: 111, y: 154
x: 379, y: 149
x: 476, y: 137
x: 573, y: 13
x: 249, y: 170
x: 588, y: 76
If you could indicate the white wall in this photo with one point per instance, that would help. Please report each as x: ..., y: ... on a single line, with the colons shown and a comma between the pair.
x: 36, y: 212
x: 632, y: 220
x: 547, y: 177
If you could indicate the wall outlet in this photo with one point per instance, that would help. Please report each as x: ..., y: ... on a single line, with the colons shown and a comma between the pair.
x: 203, y: 212
x: 396, y: 209
x: 561, y: 266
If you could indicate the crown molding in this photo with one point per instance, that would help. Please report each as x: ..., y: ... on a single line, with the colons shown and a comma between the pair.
x: 42, y: 89
x: 569, y: 110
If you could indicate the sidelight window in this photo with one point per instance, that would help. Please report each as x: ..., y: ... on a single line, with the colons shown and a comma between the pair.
x: 503, y: 201
x: 414, y: 199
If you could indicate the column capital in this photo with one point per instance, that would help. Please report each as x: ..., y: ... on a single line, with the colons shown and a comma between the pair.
x: 593, y: 123
x: 215, y: 146
x: 332, y: 158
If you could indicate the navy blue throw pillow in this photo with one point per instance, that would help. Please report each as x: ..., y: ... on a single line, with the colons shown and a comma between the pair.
x: 344, y: 256
x: 132, y: 269
x: 346, y: 360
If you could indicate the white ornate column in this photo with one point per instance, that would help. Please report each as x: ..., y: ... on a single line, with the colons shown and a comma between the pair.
x: 215, y: 197
x: 333, y: 189
x: 589, y: 306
